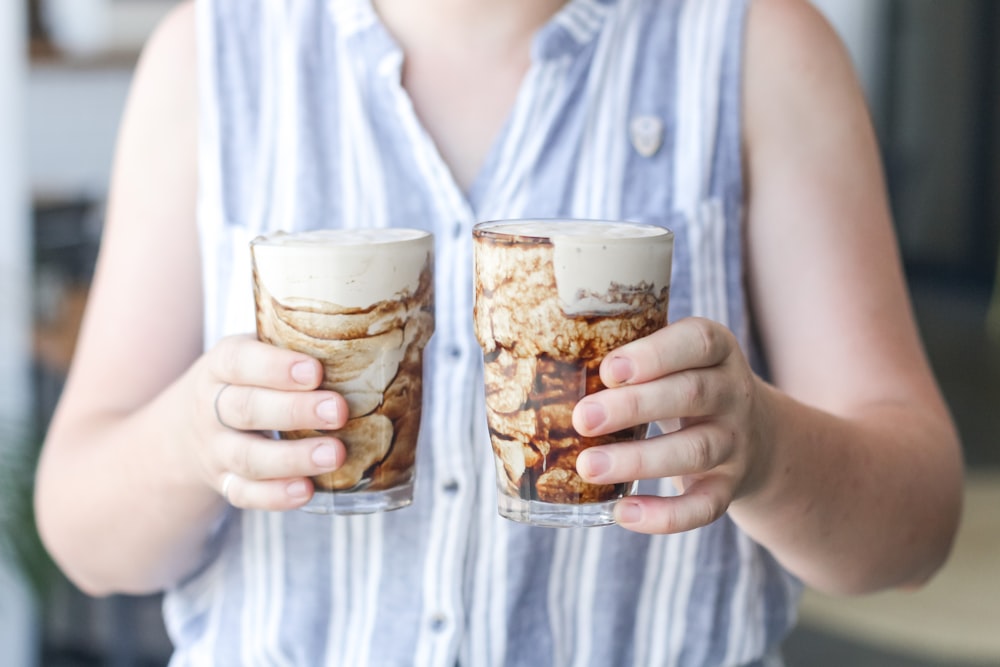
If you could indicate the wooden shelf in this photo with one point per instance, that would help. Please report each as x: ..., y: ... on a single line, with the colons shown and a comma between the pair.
x: 43, y: 53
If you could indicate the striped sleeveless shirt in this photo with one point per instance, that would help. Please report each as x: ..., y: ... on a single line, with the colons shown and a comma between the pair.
x: 304, y: 124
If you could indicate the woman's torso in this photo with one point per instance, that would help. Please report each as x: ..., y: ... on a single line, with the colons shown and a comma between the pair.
x: 630, y: 110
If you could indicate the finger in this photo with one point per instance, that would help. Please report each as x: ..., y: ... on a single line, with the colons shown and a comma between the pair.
x: 693, y: 342
x: 702, y: 503
x: 257, y: 409
x: 692, y: 450
x: 684, y: 394
x: 256, y: 458
x: 272, y: 495
x: 244, y: 360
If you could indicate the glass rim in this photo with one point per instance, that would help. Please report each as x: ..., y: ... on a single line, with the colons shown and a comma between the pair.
x: 328, y: 237
x: 496, y: 229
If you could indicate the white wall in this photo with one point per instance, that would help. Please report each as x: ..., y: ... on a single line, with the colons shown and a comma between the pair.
x: 14, y: 222
x: 73, y: 116
x: 18, y: 627
x: 75, y: 104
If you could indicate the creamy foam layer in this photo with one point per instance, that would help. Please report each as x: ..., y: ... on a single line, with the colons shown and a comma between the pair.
x: 353, y: 268
x: 590, y: 258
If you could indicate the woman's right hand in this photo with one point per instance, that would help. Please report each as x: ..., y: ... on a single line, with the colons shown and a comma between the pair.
x: 243, y: 390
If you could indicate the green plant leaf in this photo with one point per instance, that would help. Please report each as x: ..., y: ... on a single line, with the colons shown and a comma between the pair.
x: 20, y: 544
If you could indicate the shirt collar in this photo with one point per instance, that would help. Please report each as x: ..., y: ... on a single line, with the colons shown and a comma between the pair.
x: 572, y: 28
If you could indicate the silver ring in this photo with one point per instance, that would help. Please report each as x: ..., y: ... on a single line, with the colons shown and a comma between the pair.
x: 218, y: 395
x: 227, y: 481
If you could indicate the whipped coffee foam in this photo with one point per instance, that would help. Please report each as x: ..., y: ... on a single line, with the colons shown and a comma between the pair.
x: 353, y: 268
x: 590, y: 259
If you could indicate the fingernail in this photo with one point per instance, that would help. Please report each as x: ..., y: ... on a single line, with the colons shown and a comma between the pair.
x: 297, y: 489
x: 629, y: 512
x: 595, y: 463
x: 304, y: 372
x: 621, y: 369
x: 325, y: 456
x: 328, y: 411
x: 592, y: 414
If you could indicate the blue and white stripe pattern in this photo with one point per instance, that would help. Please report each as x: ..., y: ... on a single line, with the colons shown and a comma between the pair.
x: 305, y: 125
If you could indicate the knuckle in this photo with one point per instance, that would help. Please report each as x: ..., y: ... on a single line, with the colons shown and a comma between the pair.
x: 701, y: 452
x: 694, y: 390
x: 302, y: 410
x: 241, y: 406
x: 635, y: 404
x: 638, y: 462
x: 659, y: 353
x: 227, y: 357
x: 714, y: 507
x: 707, y: 336
x: 234, y: 460
x: 294, y: 458
x: 632, y: 404
x: 712, y: 338
x: 240, y: 459
x: 252, y: 462
x: 669, y: 520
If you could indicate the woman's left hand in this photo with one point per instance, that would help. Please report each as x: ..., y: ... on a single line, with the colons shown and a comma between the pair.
x: 692, y: 373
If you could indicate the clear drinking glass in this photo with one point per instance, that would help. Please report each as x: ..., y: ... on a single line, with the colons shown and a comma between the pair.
x: 362, y: 302
x: 553, y: 298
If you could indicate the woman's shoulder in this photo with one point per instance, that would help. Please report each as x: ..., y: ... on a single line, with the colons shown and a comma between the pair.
x: 797, y: 70
x: 176, y: 31
x: 169, y: 55
x: 792, y: 33
x: 165, y: 74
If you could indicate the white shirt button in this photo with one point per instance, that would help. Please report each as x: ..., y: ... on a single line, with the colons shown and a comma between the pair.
x: 438, y: 622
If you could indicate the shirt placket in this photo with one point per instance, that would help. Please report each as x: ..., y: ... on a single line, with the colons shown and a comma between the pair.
x: 451, y: 376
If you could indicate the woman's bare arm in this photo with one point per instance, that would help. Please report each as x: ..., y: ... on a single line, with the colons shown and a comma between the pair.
x: 867, y: 492
x: 128, y: 485
x: 107, y: 456
x: 847, y: 468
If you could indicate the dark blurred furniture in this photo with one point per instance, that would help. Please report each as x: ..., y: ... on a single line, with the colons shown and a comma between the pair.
x: 79, y: 631
x: 940, y: 136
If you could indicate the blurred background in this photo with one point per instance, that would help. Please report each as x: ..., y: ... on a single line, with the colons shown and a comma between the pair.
x: 931, y: 71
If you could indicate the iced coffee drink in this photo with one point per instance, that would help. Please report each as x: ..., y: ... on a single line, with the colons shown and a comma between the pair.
x: 360, y: 301
x: 553, y: 298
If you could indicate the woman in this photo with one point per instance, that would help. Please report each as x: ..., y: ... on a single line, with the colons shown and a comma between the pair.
x: 806, y: 440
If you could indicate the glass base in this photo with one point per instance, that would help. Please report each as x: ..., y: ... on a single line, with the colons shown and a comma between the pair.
x: 359, y: 502
x: 552, y: 515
